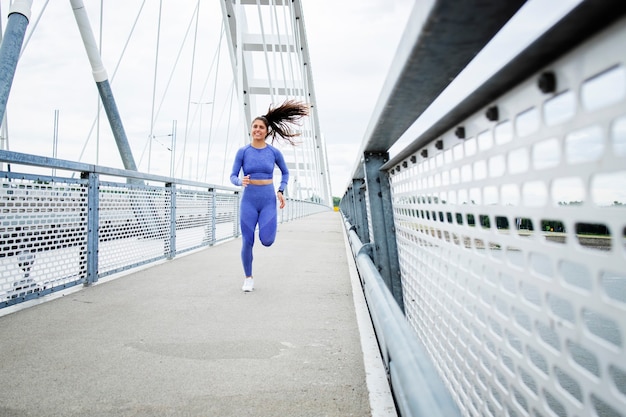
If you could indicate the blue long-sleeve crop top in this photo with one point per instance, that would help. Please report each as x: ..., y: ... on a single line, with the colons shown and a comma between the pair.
x: 259, y: 164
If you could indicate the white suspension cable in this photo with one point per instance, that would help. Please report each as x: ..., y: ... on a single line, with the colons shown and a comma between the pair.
x: 280, y: 52
x: 214, y: 100
x: 193, y: 57
x: 171, y: 76
x: 290, y: 48
x: 230, y: 112
x: 154, y: 81
x: 228, y: 125
x: 307, y: 148
x: 214, y: 63
x: 273, y: 44
x: 239, y: 60
x: 98, y: 100
x: 32, y: 28
x: 297, y: 150
x: 93, y: 124
x: 267, y: 63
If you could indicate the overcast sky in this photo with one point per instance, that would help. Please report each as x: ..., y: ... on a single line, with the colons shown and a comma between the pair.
x: 351, y: 43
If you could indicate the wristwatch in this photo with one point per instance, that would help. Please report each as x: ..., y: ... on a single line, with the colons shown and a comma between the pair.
x: 280, y: 191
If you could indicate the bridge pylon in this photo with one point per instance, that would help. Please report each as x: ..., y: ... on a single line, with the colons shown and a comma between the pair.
x: 270, y: 60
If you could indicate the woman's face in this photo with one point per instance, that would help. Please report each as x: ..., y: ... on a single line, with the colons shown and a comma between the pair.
x: 259, y: 129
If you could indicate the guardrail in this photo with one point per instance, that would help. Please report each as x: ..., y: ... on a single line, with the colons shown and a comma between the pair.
x: 58, y: 231
x: 418, y: 390
x: 500, y: 231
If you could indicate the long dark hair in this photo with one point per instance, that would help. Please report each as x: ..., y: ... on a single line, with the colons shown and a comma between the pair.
x: 280, y: 120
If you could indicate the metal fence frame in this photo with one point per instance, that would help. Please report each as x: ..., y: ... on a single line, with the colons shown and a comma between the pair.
x: 42, y: 213
x: 428, y: 54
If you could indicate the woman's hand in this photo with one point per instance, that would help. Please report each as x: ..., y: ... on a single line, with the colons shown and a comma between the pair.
x: 245, y: 181
x: 281, y: 200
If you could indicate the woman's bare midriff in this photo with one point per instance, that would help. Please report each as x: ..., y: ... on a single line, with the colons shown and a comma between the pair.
x: 261, y: 182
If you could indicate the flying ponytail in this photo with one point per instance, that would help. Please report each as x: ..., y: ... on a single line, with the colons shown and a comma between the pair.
x: 280, y: 120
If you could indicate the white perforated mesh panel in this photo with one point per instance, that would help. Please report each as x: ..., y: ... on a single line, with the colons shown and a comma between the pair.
x: 512, y: 245
x: 43, y: 229
x: 134, y: 225
x: 226, y: 218
x: 194, y: 210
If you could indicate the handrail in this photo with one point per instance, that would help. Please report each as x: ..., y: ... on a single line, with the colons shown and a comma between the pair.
x: 435, y: 28
x: 415, y: 383
x: 456, y: 207
x: 58, y: 231
x: 46, y: 162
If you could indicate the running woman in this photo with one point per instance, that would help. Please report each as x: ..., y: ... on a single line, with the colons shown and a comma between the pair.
x: 257, y: 160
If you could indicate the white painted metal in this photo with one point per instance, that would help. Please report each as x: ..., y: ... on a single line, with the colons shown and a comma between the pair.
x: 271, y: 66
x: 91, y: 46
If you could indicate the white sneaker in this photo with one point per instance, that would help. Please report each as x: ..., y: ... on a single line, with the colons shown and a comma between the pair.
x: 248, y: 285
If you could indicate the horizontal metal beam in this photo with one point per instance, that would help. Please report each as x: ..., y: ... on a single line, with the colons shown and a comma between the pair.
x: 415, y: 382
x: 262, y: 2
x: 45, y: 162
x: 254, y: 89
x: 440, y: 39
x: 585, y: 20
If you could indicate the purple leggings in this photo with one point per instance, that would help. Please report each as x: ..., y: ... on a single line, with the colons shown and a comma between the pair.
x: 258, y: 207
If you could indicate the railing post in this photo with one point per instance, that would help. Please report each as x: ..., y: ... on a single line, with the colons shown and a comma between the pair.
x: 360, y: 209
x: 170, y: 246
x: 93, y: 224
x: 383, y: 232
x: 213, y: 218
x: 345, y: 204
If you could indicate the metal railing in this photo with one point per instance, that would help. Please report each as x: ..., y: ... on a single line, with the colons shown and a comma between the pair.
x: 500, y: 231
x: 83, y: 222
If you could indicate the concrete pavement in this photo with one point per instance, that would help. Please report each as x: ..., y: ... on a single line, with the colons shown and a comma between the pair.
x: 181, y: 339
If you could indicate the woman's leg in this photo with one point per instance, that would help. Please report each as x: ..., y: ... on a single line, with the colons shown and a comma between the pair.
x: 249, y: 217
x: 268, y: 222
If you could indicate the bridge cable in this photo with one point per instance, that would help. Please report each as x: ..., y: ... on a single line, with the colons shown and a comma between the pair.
x: 98, y: 99
x: 280, y: 52
x: 171, y: 76
x: 119, y: 61
x: 292, y: 65
x: 33, y: 27
x: 267, y: 64
x: 154, y: 81
x: 213, y: 63
x: 230, y: 112
x: 193, y: 59
x: 214, y: 98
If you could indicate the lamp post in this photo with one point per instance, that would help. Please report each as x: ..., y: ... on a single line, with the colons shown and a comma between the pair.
x: 201, y: 104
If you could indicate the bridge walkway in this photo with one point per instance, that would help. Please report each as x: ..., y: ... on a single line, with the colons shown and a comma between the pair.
x: 182, y: 339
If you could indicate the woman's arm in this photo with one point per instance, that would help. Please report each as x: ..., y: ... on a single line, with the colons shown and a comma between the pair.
x: 280, y: 162
x: 237, y: 165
